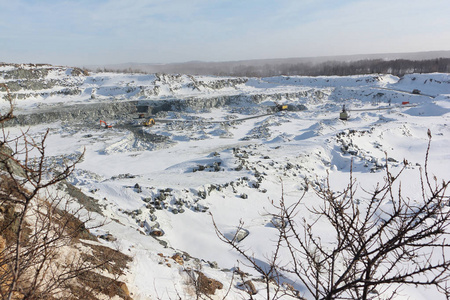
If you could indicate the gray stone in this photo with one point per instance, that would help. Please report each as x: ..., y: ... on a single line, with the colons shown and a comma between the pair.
x: 241, y: 234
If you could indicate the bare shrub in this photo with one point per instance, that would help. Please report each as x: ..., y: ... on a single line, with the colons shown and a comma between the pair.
x: 369, y: 251
x: 40, y: 230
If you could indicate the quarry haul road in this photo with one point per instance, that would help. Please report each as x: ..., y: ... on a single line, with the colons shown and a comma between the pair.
x: 406, y: 92
x: 383, y: 108
x: 212, y: 122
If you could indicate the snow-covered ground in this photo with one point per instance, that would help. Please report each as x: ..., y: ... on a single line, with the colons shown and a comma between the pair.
x: 234, y: 170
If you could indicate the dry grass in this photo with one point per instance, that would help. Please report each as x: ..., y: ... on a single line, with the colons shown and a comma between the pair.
x: 107, y: 259
x: 91, y: 284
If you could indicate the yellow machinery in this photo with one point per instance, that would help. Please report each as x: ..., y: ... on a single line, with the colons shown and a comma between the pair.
x: 281, y: 107
x: 150, y: 122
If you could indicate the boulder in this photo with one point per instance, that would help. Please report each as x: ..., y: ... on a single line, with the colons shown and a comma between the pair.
x: 178, y: 258
x: 241, y: 234
x: 157, y: 232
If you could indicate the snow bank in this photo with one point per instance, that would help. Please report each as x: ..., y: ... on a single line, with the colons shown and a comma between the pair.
x: 432, y: 84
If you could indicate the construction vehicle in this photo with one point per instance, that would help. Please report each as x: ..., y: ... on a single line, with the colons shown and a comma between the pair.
x: 150, y: 122
x: 105, y: 125
x: 281, y: 107
x: 344, y: 114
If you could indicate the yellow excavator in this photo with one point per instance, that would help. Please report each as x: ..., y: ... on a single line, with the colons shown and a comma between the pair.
x: 281, y: 107
x: 149, y: 122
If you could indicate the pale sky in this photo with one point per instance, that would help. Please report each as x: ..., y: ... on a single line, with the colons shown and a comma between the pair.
x: 92, y: 32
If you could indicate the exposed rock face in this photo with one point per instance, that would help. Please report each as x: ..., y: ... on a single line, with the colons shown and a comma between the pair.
x: 218, y: 84
x: 7, y: 163
x: 29, y: 81
x: 82, y: 112
x: 37, y: 72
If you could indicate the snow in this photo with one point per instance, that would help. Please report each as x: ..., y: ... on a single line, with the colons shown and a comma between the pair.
x: 287, y: 147
x: 431, y: 84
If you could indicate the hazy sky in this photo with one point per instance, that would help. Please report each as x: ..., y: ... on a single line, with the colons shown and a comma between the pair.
x: 86, y: 32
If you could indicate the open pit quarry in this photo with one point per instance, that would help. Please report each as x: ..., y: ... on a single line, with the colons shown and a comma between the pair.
x: 223, y: 147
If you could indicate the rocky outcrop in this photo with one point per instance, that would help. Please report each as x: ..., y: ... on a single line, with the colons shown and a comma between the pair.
x: 29, y: 72
x: 9, y: 164
x: 216, y: 84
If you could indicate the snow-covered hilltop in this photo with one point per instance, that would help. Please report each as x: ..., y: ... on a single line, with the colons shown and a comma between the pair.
x: 221, y: 145
x: 45, y: 84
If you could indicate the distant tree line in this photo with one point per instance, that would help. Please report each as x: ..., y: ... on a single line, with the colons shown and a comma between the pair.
x: 266, y: 68
x: 398, y: 67
x: 128, y: 70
